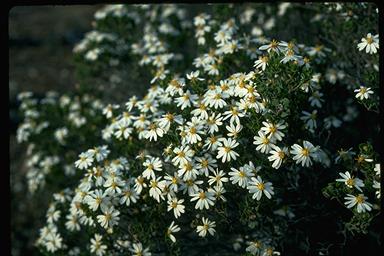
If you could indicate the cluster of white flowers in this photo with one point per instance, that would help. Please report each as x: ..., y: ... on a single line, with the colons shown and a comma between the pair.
x: 36, y: 123
x: 194, y: 138
x: 213, y: 131
x: 354, y: 183
x: 371, y: 45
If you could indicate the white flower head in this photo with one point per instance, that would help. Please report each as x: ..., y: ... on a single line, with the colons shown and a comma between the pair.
x: 258, y: 187
x: 208, y: 226
x: 360, y: 201
x: 350, y: 181
x: 369, y: 43
x: 363, y: 92
x: 303, y: 154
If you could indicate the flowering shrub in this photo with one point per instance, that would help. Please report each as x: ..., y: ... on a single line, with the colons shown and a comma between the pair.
x: 237, y: 146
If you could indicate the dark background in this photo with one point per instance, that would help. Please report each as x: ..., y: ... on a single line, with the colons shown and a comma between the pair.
x: 41, y: 39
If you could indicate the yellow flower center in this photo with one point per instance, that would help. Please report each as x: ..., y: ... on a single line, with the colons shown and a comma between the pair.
x: 188, y: 167
x: 272, y: 129
x: 170, y: 117
x: 264, y: 59
x: 305, y: 152
x: 360, y: 199
x: 217, y: 96
x: 363, y: 90
x: 153, y: 184
x: 274, y: 44
x: 260, y: 186
x: 224, y: 87
x: 360, y: 159
x: 350, y: 182
x: 152, y: 126
x: 318, y: 48
x: 108, y: 216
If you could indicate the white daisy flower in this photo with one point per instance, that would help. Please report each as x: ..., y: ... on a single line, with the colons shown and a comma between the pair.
x: 350, y: 181
x: 191, y: 186
x: 303, y: 154
x: 206, y: 163
x: 53, y: 242
x: 363, y: 92
x: 233, y: 131
x: 194, y: 129
x: 234, y: 114
x: 263, y: 142
x: 96, y: 198
x: 194, y: 76
x: 137, y: 250
x: 218, y: 177
x: 200, y: 111
x: 153, y: 132
x: 176, y: 205
x: 212, y: 142
x: 172, y: 181
x: 152, y: 164
x: 188, y: 171
x: 113, y: 185
x: 241, y: 176
x: 204, y: 199
x: 273, y: 130
x: 100, y: 153
x: 310, y: 119
x: 315, y: 100
x: 277, y: 155
x: 213, y: 122
x: 272, y: 46
x: 218, y: 191
x: 183, y: 155
x: 369, y: 43
x: 225, y: 151
x: 215, y: 99
x: 85, y: 161
x: 97, y: 247
x: 167, y: 119
x: 172, y: 229
x: 109, y: 218
x: 257, y: 187
x: 186, y: 100
x: 156, y: 187
x: 262, y: 62
x: 208, y: 226
x: 360, y: 201
x: 254, y: 247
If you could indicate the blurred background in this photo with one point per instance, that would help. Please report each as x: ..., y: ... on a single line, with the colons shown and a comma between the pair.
x: 41, y: 39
